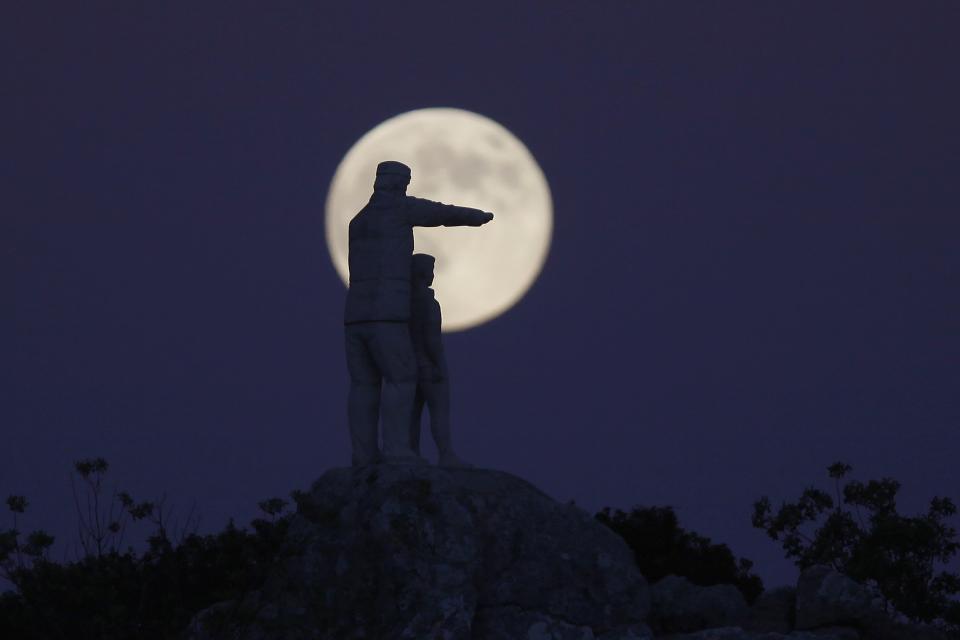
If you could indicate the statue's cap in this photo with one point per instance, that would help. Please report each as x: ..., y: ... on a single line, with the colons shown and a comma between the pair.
x: 393, y: 168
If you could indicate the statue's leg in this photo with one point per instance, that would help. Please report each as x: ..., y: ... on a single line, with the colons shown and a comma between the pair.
x: 415, y: 417
x: 363, y: 408
x: 363, y: 403
x: 393, y: 353
x: 437, y: 393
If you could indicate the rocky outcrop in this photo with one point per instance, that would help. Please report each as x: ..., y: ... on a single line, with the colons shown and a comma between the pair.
x: 424, y: 553
x: 679, y: 605
x: 391, y: 551
x: 773, y: 610
x: 825, y: 598
x: 824, y: 606
x: 737, y: 633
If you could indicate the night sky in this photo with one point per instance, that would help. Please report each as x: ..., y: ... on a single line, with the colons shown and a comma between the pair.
x: 754, y: 270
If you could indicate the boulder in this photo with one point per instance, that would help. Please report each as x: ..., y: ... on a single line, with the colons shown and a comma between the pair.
x: 632, y: 632
x: 738, y: 633
x: 421, y: 552
x: 678, y: 605
x: 773, y: 610
x: 826, y: 597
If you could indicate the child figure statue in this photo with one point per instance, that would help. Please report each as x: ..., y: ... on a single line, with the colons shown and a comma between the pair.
x: 433, y: 386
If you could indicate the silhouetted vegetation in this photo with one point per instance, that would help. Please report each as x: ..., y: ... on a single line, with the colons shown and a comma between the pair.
x: 110, y: 593
x: 859, y: 533
x: 661, y: 548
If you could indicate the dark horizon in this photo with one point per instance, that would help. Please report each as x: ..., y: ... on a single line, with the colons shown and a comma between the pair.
x: 753, y: 274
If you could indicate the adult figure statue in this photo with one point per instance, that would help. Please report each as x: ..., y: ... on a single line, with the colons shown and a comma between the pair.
x: 380, y: 357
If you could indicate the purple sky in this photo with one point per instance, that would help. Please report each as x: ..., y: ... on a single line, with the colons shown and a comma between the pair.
x: 754, y: 272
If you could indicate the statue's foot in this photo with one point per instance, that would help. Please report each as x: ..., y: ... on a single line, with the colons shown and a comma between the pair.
x: 365, y: 461
x: 403, y: 458
x: 450, y: 459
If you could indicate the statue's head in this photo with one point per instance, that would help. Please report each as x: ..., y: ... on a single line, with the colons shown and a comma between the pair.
x: 392, y: 176
x: 423, y: 269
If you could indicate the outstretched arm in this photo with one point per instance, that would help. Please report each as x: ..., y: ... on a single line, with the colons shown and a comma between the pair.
x: 427, y: 213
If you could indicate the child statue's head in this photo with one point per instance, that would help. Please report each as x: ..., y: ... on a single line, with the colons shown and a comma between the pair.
x: 423, y: 269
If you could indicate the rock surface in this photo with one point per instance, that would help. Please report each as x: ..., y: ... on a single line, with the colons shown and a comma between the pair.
x: 420, y: 552
x: 737, y: 633
x: 424, y: 553
x: 774, y: 610
x: 679, y: 605
x: 826, y: 597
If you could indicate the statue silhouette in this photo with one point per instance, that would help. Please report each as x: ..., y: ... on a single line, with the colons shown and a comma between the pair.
x: 433, y: 386
x: 380, y: 356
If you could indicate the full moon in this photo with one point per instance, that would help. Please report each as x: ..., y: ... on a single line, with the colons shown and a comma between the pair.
x: 456, y: 157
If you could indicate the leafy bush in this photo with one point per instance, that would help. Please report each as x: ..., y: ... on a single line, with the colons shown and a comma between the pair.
x: 661, y: 548
x: 112, y: 594
x: 862, y: 536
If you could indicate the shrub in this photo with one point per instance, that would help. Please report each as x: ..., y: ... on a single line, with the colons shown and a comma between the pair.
x: 661, y: 548
x: 859, y: 533
x: 111, y: 594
